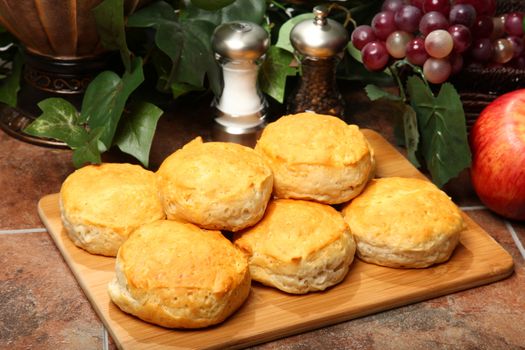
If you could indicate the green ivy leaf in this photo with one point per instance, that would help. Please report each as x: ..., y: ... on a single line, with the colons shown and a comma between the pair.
x: 354, y: 52
x: 106, y: 97
x: 137, y: 130
x: 283, y: 40
x: 59, y: 120
x: 196, y: 57
x: 11, y: 85
x: 442, y: 125
x: 375, y: 93
x: 240, y: 10
x: 109, y: 18
x: 161, y: 16
x: 179, y: 89
x: 211, y: 5
x: 411, y: 134
x: 274, y: 71
x: 89, y: 152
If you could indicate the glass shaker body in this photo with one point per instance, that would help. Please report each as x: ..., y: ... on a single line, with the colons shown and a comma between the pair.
x: 240, y: 107
x: 240, y: 95
x: 317, y: 89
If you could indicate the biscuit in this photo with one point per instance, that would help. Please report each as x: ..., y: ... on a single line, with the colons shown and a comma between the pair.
x: 178, y: 275
x: 215, y: 185
x: 316, y: 157
x: 298, y: 247
x: 101, y: 204
x: 404, y: 222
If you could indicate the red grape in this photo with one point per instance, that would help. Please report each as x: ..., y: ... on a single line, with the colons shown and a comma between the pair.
x: 407, y: 18
x: 392, y: 5
x: 417, y: 3
x: 513, y: 24
x: 481, y: 50
x: 482, y: 27
x: 396, y: 43
x: 517, y: 45
x: 456, y: 62
x: 461, y: 37
x: 375, y: 56
x: 518, y: 62
x: 483, y: 7
x: 437, y: 70
x: 362, y: 35
x: 462, y: 14
x: 383, y: 24
x: 432, y: 21
x: 415, y: 51
x: 502, y: 51
x: 441, y: 6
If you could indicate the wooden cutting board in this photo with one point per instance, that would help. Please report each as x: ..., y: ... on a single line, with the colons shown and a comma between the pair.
x: 269, y: 314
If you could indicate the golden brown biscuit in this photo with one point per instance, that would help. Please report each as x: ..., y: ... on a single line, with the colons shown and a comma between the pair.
x: 179, y: 276
x: 215, y: 185
x: 316, y: 157
x: 404, y: 222
x: 101, y: 204
x: 298, y: 246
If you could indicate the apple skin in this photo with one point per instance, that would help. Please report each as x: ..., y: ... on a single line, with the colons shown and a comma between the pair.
x: 497, y: 142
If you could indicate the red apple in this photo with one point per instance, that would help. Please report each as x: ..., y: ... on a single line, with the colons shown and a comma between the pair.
x: 497, y: 141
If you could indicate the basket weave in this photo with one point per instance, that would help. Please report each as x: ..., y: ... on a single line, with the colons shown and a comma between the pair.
x: 479, y: 86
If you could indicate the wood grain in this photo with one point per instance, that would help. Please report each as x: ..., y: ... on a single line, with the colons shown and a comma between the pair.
x: 269, y: 314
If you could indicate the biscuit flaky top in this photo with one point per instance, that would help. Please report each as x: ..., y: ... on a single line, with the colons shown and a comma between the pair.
x: 211, y: 171
x: 176, y: 257
x: 113, y: 195
x: 314, y: 139
x: 405, y: 213
x: 293, y: 230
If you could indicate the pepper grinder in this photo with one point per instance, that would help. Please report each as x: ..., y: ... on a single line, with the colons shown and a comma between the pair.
x: 319, y: 44
x: 240, y: 107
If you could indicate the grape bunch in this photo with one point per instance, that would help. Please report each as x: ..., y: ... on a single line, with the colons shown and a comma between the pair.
x: 441, y: 36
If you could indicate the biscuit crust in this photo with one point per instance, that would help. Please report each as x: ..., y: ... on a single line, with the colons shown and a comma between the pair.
x: 316, y: 157
x: 102, y: 204
x: 404, y: 222
x: 215, y: 185
x: 298, y: 247
x: 178, y: 275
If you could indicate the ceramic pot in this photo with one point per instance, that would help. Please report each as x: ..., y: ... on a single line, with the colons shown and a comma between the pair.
x: 62, y: 54
x: 62, y: 29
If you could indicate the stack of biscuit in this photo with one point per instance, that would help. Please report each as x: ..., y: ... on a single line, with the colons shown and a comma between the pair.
x: 175, y: 268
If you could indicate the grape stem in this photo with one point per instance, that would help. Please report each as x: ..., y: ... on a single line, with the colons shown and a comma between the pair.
x: 348, y: 17
x: 394, y: 71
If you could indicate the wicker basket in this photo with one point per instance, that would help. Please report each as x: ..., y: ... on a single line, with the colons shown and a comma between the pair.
x: 479, y: 86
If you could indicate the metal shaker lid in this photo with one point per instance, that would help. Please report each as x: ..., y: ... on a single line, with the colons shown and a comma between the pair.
x: 240, y: 40
x: 321, y: 37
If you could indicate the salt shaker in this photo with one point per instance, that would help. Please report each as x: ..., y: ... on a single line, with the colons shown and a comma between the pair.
x: 319, y: 44
x: 240, y: 107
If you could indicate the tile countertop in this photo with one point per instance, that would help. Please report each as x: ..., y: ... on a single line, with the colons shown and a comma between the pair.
x: 42, y: 306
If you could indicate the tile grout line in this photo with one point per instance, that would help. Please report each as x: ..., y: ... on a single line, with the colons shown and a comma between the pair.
x: 473, y: 207
x: 516, y: 239
x: 25, y: 230
x: 105, y: 341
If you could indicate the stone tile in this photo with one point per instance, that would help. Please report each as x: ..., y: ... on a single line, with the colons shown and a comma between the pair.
x: 41, y: 304
x: 486, y: 317
x: 519, y: 228
x: 28, y: 173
